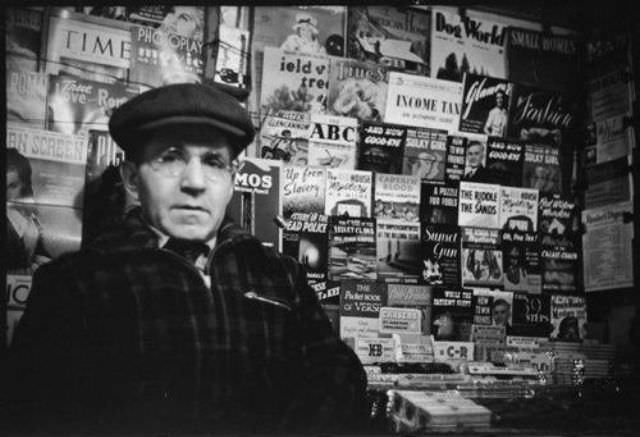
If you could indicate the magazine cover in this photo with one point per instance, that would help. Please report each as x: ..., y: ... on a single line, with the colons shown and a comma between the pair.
x: 423, y: 102
x: 424, y: 153
x: 23, y: 35
x: 332, y: 141
x: 293, y: 81
x: 569, y: 317
x: 284, y: 136
x: 352, y: 248
x: 531, y: 315
x: 360, y: 305
x: 610, y: 93
x: 501, y: 306
x: 538, y: 115
x: 440, y: 254
x: 613, y: 140
x: 479, y: 205
x: 466, y: 44
x: 348, y: 193
x: 257, y: 200
x: 560, y: 269
x: 481, y: 261
x: 487, y: 338
x: 542, y: 59
x: 231, y: 55
x: 398, y: 251
x: 305, y: 239
x: 475, y: 162
x: 57, y: 163
x: 396, y: 198
x: 381, y: 147
x: 439, y: 202
x: 78, y: 105
x: 87, y: 50
x: 160, y: 57
x: 608, y: 183
x: 521, y: 261
x: 504, y: 161
x: 541, y: 168
x: 485, y: 105
x: 358, y: 89
x: 393, y: 36
x: 417, y: 297
x: 26, y: 96
x: 451, y: 314
x: 455, y: 162
x: 482, y: 310
x: 557, y: 221
x: 518, y: 209
x: 303, y: 190
x: 328, y: 293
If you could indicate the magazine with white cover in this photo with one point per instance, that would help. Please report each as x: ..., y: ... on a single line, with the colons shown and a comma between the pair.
x: 293, y: 81
x: 396, y: 198
x: 501, y: 305
x: 518, y: 209
x: 231, y: 57
x: 349, y: 193
x: 332, y: 141
x: 285, y: 136
x: 481, y: 258
x: 303, y: 190
x: 26, y: 96
x: 466, y: 43
x: 423, y: 102
x: 479, y: 205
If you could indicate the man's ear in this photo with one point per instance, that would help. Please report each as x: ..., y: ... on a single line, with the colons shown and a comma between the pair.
x: 129, y: 175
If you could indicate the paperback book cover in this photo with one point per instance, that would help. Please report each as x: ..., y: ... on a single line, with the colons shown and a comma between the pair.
x: 305, y: 239
x: 352, y: 248
x: 303, y: 190
x: 398, y: 251
x: 481, y: 258
x: 451, y: 314
x: 439, y: 202
x: 396, y: 198
x: 360, y: 305
x: 475, y: 162
x: 504, y: 161
x: 518, y: 209
x: 285, y: 136
x: 358, y: 89
x: 424, y: 153
x: 557, y: 221
x: 501, y: 306
x: 231, y: 56
x: 440, y: 254
x: 569, y: 317
x: 332, y: 141
x: 560, y: 269
x: 541, y: 168
x: 381, y: 147
x: 531, y: 315
x: 455, y: 158
x: 521, y: 261
x: 393, y: 36
x: 348, y: 193
x: 479, y: 205
x: 485, y: 105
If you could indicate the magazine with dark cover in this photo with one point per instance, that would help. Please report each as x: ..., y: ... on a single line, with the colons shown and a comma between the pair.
x: 285, y: 136
x: 394, y: 36
x: 348, y: 193
x: 398, y: 251
x: 531, y: 315
x: 521, y: 261
x: 518, y: 209
x: 293, y: 81
x: 481, y: 260
x: 439, y: 202
x: 479, y: 205
x: 160, y: 57
x: 560, y: 268
x: 352, y: 248
x: 23, y: 34
x: 328, y: 292
x: 26, y: 96
x: 357, y: 89
x: 455, y: 158
x: 501, y: 303
x: 504, y: 161
x: 305, y: 238
x: 610, y: 93
x: 482, y: 310
x: 485, y: 105
x: 440, y: 254
x: 475, y: 162
x: 396, y: 198
x: 78, y: 105
x: 257, y: 200
x: 468, y: 43
x: 303, y: 190
x: 541, y: 168
x: 58, y: 163
x: 381, y: 147
x: 424, y: 153
x: 569, y: 317
x: 558, y: 220
x: 608, y: 183
x: 542, y: 59
x: 451, y: 314
x: 332, y: 141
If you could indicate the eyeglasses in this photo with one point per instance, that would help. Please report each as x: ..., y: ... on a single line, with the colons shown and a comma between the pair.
x: 174, y: 160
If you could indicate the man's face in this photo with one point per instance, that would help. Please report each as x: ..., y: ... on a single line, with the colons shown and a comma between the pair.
x: 445, y: 326
x: 500, y: 100
x: 474, y: 155
x: 501, y: 314
x: 15, y: 186
x: 189, y: 205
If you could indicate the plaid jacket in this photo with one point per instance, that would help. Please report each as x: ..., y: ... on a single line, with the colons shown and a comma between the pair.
x: 126, y: 336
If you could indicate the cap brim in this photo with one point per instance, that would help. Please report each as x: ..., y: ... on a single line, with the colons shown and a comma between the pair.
x: 182, y: 120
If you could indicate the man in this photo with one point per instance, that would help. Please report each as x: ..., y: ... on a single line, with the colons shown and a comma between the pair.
x: 501, y: 313
x: 496, y: 124
x: 179, y: 320
x: 474, y: 168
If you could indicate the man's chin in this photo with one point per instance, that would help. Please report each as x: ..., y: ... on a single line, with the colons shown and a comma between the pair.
x: 191, y: 233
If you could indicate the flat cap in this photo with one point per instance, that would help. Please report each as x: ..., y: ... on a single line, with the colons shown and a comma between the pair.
x: 181, y: 105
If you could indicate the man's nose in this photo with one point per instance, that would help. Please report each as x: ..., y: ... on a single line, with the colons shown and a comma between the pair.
x: 193, y: 177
